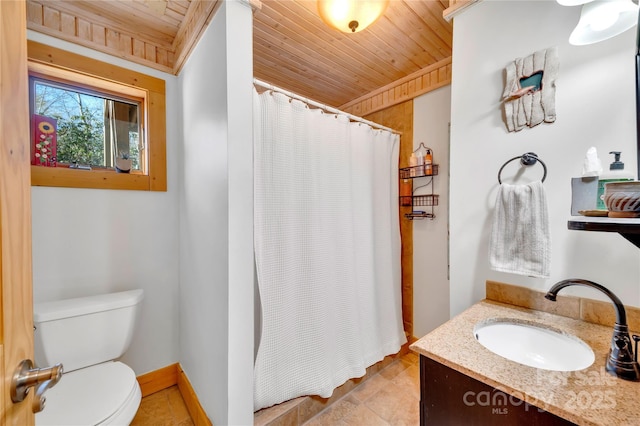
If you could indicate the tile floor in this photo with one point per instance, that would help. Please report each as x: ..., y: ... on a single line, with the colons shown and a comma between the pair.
x: 164, y: 408
x: 389, y: 398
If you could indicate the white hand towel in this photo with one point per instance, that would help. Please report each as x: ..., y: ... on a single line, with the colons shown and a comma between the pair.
x: 520, y: 240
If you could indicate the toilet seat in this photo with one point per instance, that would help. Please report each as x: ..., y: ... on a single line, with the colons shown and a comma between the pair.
x: 127, y: 412
x: 103, y: 394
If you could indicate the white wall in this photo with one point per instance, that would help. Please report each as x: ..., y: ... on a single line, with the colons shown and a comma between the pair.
x: 595, y: 105
x: 216, y: 218
x: 91, y: 241
x: 431, y: 113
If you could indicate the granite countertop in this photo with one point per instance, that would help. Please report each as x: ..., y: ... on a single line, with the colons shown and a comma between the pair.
x: 585, y: 397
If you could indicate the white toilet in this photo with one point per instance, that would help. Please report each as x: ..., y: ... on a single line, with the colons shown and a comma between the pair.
x: 86, y: 335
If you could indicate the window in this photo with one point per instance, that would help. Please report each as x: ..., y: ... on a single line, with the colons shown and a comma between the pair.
x: 93, y: 130
x: 94, y: 125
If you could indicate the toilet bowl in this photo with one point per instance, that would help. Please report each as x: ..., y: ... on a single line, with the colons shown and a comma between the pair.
x: 87, y: 335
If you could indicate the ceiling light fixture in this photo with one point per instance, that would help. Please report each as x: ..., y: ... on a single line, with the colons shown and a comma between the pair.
x: 351, y: 16
x: 573, y: 2
x: 603, y: 19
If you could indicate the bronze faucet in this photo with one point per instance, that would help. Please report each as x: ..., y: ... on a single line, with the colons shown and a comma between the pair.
x: 621, y: 361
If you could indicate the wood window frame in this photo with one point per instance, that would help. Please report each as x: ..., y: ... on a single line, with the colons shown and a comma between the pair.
x: 49, y: 62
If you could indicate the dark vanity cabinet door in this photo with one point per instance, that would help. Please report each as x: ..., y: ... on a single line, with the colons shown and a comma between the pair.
x: 450, y: 398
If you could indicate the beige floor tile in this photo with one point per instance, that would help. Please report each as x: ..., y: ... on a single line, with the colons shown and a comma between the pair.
x: 290, y: 418
x: 409, y: 380
x: 408, y: 414
x: 386, y: 402
x: 389, y: 397
x: 154, y: 411
x: 395, y: 368
x: 412, y: 357
x: 270, y: 414
x: 164, y: 408
x: 310, y: 407
x: 344, y: 389
x: 334, y: 413
x: 370, y: 387
x: 177, y: 405
x: 362, y: 416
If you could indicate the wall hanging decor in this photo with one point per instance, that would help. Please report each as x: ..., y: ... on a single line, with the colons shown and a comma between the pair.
x: 529, y: 96
x: 43, y: 147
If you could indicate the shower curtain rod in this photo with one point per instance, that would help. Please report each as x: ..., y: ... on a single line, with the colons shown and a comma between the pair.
x: 322, y: 106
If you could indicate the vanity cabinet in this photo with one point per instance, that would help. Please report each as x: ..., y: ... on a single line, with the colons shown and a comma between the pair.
x: 450, y: 398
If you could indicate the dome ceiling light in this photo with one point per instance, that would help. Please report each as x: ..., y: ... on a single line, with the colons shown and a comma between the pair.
x: 600, y: 20
x: 351, y: 16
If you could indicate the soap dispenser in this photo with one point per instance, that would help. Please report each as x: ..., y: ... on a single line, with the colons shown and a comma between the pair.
x: 428, y: 163
x: 616, y: 173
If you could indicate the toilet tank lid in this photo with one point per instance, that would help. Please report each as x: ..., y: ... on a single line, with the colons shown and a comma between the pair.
x: 57, y: 309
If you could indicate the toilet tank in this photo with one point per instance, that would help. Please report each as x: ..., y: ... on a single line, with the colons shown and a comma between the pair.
x: 86, y: 330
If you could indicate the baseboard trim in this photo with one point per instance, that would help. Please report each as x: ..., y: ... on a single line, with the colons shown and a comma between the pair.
x: 196, y: 411
x: 172, y: 375
x: 159, y: 379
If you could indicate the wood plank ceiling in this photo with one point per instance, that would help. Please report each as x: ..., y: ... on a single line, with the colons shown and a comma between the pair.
x: 293, y: 48
x: 296, y: 50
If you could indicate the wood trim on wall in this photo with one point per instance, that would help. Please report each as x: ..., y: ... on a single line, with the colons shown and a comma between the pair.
x: 67, y: 22
x: 400, y: 117
x: 198, y: 17
x: 456, y: 7
x: 196, y: 411
x: 172, y: 375
x: 54, y: 20
x: 402, y: 90
x: 158, y: 380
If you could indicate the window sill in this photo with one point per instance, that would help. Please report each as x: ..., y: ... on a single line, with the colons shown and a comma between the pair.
x: 97, y: 179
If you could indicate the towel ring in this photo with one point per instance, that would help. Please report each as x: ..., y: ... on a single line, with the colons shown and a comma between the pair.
x: 526, y: 159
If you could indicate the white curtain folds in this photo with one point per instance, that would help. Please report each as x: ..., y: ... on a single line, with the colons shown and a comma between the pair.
x: 327, y: 245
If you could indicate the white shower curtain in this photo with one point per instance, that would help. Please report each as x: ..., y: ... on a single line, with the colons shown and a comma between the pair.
x: 327, y: 245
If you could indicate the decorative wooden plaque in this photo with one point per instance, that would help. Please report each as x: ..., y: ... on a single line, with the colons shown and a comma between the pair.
x: 530, y: 90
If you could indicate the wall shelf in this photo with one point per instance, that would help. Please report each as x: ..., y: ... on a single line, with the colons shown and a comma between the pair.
x: 419, y: 215
x: 415, y: 172
x: 423, y: 200
x: 628, y: 228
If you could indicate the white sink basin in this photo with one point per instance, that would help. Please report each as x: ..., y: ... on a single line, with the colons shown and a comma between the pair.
x: 534, y: 345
